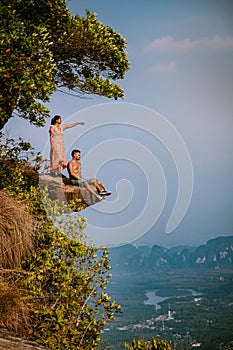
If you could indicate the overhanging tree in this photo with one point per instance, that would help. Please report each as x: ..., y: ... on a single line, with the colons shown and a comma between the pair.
x: 45, y: 47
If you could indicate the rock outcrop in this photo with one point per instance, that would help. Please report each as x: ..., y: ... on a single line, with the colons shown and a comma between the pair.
x: 61, y: 189
x: 10, y: 341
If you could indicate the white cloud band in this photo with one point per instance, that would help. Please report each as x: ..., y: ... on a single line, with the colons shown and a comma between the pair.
x: 168, y: 44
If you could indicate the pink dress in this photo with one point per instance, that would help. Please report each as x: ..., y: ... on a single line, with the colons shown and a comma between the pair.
x: 57, y: 148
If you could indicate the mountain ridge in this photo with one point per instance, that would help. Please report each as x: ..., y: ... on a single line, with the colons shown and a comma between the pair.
x: 216, y: 253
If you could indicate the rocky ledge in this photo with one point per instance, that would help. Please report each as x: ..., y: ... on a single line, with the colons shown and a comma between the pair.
x: 10, y: 341
x: 61, y: 189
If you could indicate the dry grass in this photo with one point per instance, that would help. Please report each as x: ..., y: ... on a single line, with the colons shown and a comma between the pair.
x: 16, y: 241
x: 16, y: 232
x: 14, y: 311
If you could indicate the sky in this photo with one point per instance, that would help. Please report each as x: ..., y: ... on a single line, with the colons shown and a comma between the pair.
x: 166, y: 150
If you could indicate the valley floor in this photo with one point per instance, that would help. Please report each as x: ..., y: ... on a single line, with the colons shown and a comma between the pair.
x: 196, y: 311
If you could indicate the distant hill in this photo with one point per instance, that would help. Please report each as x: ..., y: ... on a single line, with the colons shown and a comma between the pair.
x: 216, y: 253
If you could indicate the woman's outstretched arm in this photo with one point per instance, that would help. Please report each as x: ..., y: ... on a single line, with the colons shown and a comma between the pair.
x: 72, y: 125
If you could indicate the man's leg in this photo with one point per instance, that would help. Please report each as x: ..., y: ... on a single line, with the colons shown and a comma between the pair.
x: 86, y: 184
x: 97, y: 185
x: 94, y: 182
x: 100, y: 189
x: 88, y: 187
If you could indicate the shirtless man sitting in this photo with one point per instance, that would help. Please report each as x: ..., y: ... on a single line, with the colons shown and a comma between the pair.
x: 75, y: 174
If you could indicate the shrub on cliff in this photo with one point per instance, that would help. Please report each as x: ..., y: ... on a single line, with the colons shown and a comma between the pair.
x: 59, y: 283
x: 154, y: 344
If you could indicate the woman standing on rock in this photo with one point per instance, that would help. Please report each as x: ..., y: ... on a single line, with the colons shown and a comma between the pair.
x: 57, y: 147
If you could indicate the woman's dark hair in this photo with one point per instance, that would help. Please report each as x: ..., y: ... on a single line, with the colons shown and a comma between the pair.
x: 54, y: 119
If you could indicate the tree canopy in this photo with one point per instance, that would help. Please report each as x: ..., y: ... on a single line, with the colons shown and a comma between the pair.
x: 44, y: 47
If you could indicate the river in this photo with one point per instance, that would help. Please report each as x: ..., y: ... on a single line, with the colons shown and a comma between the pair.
x: 154, y: 299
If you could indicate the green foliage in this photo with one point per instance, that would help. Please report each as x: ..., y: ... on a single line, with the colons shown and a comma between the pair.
x: 27, y: 66
x: 63, y: 281
x: 66, y: 289
x: 44, y: 47
x: 18, y: 167
x: 147, y: 345
x: 97, y: 56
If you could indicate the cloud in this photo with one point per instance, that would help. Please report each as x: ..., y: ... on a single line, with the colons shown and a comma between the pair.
x: 162, y: 68
x: 168, y: 44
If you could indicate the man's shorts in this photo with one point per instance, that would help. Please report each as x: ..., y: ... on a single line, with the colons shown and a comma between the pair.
x: 81, y: 182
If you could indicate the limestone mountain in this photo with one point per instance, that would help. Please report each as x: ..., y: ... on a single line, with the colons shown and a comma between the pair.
x: 216, y: 253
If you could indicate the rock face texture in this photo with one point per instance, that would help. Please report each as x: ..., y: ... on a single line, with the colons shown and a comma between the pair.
x: 61, y: 189
x: 10, y: 341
